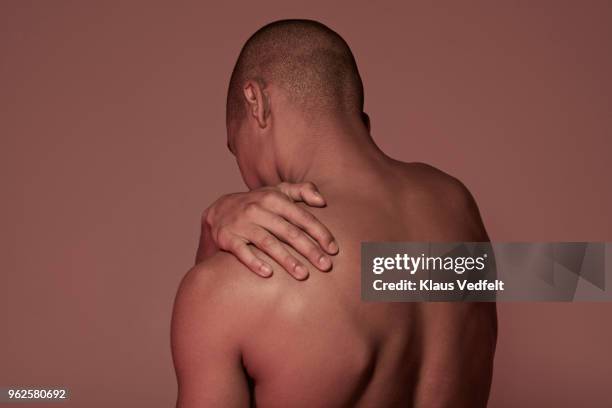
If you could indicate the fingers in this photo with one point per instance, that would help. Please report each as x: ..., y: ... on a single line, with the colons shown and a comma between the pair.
x: 305, y: 192
x: 298, y: 240
x: 245, y: 254
x: 267, y: 217
x: 305, y: 220
x: 269, y: 244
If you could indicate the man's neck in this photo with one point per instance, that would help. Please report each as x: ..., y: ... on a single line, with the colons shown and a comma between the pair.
x: 332, y: 155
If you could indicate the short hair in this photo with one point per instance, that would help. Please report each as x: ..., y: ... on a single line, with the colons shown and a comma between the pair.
x: 310, y: 62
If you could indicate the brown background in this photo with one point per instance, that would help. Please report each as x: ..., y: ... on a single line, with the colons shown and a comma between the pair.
x: 112, y: 142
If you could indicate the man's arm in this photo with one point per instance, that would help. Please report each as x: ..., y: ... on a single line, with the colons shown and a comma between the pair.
x: 205, y: 344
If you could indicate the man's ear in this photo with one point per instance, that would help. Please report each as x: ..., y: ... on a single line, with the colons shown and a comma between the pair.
x: 258, y: 103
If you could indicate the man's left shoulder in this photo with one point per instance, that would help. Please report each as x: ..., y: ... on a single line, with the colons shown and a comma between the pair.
x: 450, y: 203
x: 436, y: 182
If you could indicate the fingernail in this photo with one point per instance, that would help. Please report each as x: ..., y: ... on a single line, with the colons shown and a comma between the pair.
x: 318, y: 196
x: 333, y: 247
x: 267, y: 271
x: 324, y: 262
x: 301, y: 272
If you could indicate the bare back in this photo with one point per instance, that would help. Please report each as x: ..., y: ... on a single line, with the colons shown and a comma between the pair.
x: 316, y: 344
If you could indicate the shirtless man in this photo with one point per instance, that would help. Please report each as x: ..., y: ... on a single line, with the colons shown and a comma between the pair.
x: 295, y: 114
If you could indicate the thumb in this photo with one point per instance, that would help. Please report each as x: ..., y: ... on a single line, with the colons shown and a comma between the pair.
x: 304, y: 192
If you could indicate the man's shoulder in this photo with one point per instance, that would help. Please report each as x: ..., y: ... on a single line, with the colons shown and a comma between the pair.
x: 433, y: 181
x: 444, y: 201
x: 219, y: 276
x: 221, y: 285
x: 210, y: 325
x: 216, y: 289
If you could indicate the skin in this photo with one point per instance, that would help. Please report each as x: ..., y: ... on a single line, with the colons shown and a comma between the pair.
x: 263, y: 218
x: 238, y: 339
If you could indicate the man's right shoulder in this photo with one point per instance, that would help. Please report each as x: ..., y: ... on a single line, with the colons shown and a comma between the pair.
x: 221, y: 282
x: 212, y: 297
x: 220, y: 275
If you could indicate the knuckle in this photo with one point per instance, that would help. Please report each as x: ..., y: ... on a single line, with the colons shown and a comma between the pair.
x: 224, y: 199
x: 232, y: 245
x: 290, y: 261
x: 251, y: 208
x: 310, y: 185
x: 267, y: 242
x: 326, y: 236
x: 293, y: 232
x: 268, y: 197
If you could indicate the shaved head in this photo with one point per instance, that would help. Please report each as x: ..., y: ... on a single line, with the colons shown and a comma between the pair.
x: 312, y: 65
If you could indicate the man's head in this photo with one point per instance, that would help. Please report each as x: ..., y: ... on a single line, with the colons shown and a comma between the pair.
x: 288, y: 74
